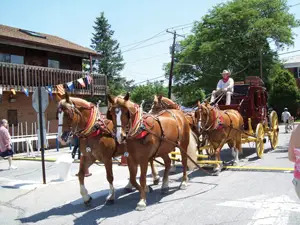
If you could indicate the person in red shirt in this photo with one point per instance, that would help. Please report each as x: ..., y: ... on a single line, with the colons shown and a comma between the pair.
x: 5, y: 143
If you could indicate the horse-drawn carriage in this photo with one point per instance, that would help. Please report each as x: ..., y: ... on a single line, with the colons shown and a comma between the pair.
x: 250, y: 100
x: 157, y: 134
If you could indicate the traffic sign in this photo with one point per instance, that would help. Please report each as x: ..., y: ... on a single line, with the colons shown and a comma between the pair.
x: 44, y: 99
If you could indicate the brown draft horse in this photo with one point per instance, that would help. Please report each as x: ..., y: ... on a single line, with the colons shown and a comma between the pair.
x: 97, y: 139
x: 221, y: 127
x: 161, y: 103
x: 149, y: 136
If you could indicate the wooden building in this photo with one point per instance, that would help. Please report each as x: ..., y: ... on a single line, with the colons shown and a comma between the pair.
x: 30, y: 59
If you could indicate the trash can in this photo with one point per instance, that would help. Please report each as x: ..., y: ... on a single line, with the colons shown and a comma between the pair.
x: 64, y: 167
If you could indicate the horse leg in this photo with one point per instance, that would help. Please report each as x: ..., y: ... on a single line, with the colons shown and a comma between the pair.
x: 155, y: 175
x: 85, y: 163
x: 165, y: 184
x: 132, y: 166
x: 142, y: 203
x: 110, y: 178
x: 234, y: 152
x: 183, y: 185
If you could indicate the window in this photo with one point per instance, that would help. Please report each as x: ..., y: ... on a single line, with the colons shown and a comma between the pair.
x: 17, y: 59
x: 53, y: 63
x: 32, y: 33
x: 8, y: 58
x: 12, y: 117
x: 298, y: 72
x: 4, y: 57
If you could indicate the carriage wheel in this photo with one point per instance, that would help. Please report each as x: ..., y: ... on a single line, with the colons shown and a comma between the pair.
x: 274, y: 129
x: 260, y: 133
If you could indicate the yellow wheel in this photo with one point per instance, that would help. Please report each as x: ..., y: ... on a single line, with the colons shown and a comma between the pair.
x: 260, y: 133
x: 274, y: 129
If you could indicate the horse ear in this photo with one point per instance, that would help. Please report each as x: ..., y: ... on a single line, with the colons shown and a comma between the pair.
x: 111, y: 99
x: 155, y: 98
x: 199, y: 104
x: 126, y: 98
x: 67, y: 97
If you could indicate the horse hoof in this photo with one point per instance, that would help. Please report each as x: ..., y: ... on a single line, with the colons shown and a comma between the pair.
x: 164, y: 190
x: 128, y: 190
x: 183, y: 186
x: 141, y: 206
x: 88, y: 202
x: 110, y: 202
x: 234, y: 163
x: 156, y: 181
x: 216, y: 173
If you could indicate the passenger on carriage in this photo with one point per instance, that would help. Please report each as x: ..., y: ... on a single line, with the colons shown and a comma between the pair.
x: 224, y: 86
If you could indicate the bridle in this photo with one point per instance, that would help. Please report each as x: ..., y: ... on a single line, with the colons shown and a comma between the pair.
x: 73, y: 110
x: 213, y: 124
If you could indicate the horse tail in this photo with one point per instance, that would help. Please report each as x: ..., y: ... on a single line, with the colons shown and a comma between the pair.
x: 192, y: 150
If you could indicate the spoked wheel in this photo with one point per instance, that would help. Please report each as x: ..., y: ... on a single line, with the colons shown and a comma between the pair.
x: 274, y: 129
x: 260, y: 147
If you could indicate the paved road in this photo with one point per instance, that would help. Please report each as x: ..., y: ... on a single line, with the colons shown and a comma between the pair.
x: 233, y: 197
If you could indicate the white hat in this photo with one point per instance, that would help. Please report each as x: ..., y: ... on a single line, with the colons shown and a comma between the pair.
x: 225, y: 71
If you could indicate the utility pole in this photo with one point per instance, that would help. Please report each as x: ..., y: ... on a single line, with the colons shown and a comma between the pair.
x: 172, y: 61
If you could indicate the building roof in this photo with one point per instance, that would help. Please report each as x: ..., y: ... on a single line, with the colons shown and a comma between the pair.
x: 291, y: 62
x: 16, y: 36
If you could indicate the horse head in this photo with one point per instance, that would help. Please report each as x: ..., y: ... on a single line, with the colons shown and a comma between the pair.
x: 202, y: 115
x: 161, y: 103
x: 73, y: 114
x: 118, y: 113
x: 129, y: 116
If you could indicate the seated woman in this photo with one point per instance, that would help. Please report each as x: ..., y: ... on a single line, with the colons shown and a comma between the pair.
x: 225, y: 85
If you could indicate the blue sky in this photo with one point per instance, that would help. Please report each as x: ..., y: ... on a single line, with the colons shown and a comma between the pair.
x: 132, y: 21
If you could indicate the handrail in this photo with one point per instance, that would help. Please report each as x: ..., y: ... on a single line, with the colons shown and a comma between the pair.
x: 19, y: 75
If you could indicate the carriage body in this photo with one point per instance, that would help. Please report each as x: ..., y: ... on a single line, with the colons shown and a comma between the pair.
x: 250, y: 100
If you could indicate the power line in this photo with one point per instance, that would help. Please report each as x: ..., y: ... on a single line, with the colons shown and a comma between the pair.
x: 284, y: 53
x: 293, y: 5
x: 155, y: 43
x: 161, y: 33
x: 155, y: 56
x: 155, y: 78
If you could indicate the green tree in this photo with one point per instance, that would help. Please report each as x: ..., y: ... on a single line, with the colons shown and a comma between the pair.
x: 147, y: 92
x: 232, y: 36
x: 111, y: 60
x: 284, y: 92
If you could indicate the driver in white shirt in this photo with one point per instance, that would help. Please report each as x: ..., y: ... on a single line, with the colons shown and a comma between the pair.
x: 225, y: 85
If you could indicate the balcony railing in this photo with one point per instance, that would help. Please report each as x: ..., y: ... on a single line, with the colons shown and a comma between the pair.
x: 17, y: 76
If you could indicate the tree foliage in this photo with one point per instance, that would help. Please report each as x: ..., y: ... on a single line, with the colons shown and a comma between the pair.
x: 284, y: 92
x: 147, y: 92
x: 232, y: 36
x: 111, y: 61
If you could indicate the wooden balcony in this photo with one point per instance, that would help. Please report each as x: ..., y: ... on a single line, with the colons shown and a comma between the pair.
x: 17, y: 76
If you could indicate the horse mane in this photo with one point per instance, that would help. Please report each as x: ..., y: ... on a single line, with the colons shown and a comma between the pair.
x: 77, y: 101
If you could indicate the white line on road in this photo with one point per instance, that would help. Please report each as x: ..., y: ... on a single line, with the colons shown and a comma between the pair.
x: 273, y: 211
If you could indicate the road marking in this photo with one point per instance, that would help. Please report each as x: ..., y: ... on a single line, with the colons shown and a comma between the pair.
x: 273, y: 211
x: 259, y: 168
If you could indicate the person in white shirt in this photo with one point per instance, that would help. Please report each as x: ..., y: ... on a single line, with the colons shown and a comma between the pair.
x: 225, y: 85
x: 285, y: 117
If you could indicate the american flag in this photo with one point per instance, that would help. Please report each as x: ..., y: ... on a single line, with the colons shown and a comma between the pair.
x: 60, y: 89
